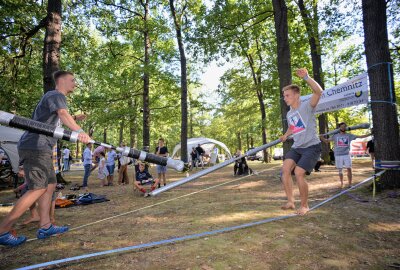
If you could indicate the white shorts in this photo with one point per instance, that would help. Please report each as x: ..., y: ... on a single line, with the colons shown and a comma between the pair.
x: 343, y: 161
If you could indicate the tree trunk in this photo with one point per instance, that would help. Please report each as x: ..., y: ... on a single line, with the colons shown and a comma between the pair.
x: 257, y: 79
x: 384, y: 114
x: 121, y: 131
x: 284, y: 67
x: 146, y: 79
x: 247, y: 141
x: 184, y: 91
x: 239, y: 140
x: 315, y: 46
x: 133, y: 122
x: 52, y: 43
x: 132, y: 133
x: 263, y: 121
x: 191, y: 123
x: 105, y: 135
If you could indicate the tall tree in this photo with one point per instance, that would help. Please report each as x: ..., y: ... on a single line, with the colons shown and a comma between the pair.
x: 52, y: 43
x: 146, y: 75
x: 380, y: 72
x: 283, y: 58
x: 184, y: 90
x: 310, y: 19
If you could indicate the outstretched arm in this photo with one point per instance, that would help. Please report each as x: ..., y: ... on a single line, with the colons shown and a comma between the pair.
x: 363, y: 136
x: 325, y: 140
x: 315, y: 87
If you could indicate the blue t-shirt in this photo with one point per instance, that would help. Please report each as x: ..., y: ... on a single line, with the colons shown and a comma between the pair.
x: 45, y: 112
x: 144, y: 177
x: 111, y: 156
x: 87, y: 156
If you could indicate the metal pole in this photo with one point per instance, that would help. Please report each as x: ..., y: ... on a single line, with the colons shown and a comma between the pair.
x: 30, y: 125
x: 232, y: 160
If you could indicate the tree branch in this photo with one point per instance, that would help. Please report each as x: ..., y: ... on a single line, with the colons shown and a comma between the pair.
x: 233, y: 27
x: 112, y: 51
x: 28, y: 35
x: 121, y: 7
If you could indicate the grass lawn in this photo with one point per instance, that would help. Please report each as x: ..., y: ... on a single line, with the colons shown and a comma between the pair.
x: 343, y: 234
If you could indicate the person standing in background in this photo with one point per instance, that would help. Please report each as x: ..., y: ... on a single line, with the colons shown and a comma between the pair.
x: 162, y: 151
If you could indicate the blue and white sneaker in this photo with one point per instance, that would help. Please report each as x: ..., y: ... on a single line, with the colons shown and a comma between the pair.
x: 52, y: 230
x: 9, y: 239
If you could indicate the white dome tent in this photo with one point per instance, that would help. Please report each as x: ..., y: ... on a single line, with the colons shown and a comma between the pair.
x: 206, y: 143
x: 9, y: 138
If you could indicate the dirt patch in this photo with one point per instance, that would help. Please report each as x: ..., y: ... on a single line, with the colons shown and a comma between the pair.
x: 356, y: 232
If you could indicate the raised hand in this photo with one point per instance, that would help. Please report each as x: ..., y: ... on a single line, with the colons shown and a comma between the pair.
x: 302, y: 72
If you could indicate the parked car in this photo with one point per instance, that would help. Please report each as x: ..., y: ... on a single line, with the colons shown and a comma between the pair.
x: 278, y: 154
x: 257, y: 156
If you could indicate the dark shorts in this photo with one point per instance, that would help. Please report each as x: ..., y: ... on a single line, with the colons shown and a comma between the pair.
x: 38, y: 168
x: 110, y: 169
x: 161, y: 169
x: 305, y: 158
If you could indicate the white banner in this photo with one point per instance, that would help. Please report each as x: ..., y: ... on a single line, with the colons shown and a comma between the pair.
x: 351, y: 93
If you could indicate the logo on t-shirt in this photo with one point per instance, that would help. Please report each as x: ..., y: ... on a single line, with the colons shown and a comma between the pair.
x: 296, y: 123
x: 342, y: 142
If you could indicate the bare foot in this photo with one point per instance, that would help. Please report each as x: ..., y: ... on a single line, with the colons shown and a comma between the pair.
x: 302, y: 211
x: 288, y: 206
x: 30, y: 220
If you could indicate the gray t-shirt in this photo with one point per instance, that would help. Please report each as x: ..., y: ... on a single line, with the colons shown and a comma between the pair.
x: 45, y: 112
x: 303, y: 124
x: 342, y: 143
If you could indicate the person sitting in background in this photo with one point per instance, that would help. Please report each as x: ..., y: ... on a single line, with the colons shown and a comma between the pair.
x: 240, y: 166
x: 144, y: 178
x: 318, y: 164
x: 332, y: 156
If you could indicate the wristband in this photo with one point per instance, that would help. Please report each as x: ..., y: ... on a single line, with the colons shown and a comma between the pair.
x: 79, y: 130
x: 306, y: 78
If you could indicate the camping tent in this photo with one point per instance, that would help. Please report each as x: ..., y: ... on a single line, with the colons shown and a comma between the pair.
x: 207, y: 144
x: 9, y: 138
x: 358, y: 147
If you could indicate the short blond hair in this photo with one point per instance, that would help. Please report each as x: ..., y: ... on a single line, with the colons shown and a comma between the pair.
x: 294, y: 87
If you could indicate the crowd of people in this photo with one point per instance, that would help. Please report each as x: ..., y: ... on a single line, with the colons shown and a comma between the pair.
x: 105, y: 161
